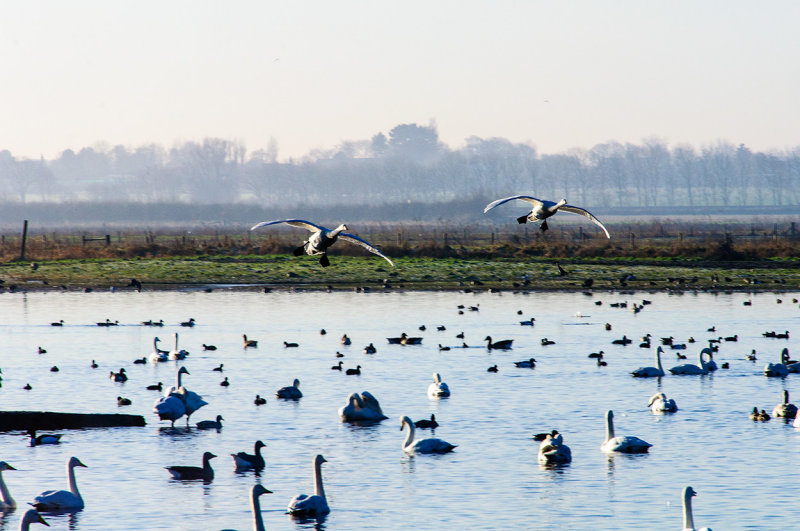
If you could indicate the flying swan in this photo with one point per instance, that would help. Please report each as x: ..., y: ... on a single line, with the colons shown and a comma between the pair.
x: 321, y: 238
x: 544, y: 209
x: 304, y: 505
x: 62, y: 500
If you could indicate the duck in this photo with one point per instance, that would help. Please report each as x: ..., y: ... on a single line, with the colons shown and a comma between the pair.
x: 688, y: 518
x: 118, y: 376
x: 93, y: 365
x: 62, y: 500
x: 345, y: 340
x: 290, y: 392
x: 553, y: 451
x: 190, y: 323
x: 55, y: 368
x: 503, y: 344
x: 362, y: 407
x: 370, y: 349
x: 122, y: 401
x: 689, y: 368
x: 422, y: 446
x: 249, y: 343
x: 546, y: 342
x: 460, y: 336
x: 659, y: 403
x: 357, y: 370
x: 42, y: 350
x: 427, y: 423
x: 543, y: 209
x: 60, y: 322
x: 315, y: 505
x: 785, y: 409
x: 7, y: 503
x: 108, y: 322
x: 218, y: 369
x: 627, y: 444
x: 31, y: 516
x: 529, y: 322
x: 493, y: 368
x: 624, y: 341
x: 526, y: 364
x: 185, y: 473
x: 759, y: 416
x: 322, y: 238
x: 210, y: 424
x: 438, y: 389
x: 155, y: 387
x: 338, y: 366
x: 651, y: 372
x: 140, y: 361
x: 225, y: 382
x: 286, y: 344
x: 209, y: 347
x: 443, y: 349
x: 255, y: 461
x: 260, y: 401
x: 596, y: 354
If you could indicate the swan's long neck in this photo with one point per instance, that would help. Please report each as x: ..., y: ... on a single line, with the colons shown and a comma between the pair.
x: 410, y: 433
x: 318, y: 489
x: 73, y: 485
x: 7, y: 499
x: 558, y: 205
x: 258, y: 523
x: 658, y: 361
x: 609, y: 426
x: 333, y: 234
x: 688, y: 518
x: 176, y: 341
x: 178, y: 381
x: 155, y: 344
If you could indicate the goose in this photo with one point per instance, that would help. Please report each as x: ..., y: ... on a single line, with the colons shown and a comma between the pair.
x: 188, y: 323
x: 345, y: 340
x: 209, y: 347
x: 438, y: 388
x: 785, y: 409
x: 248, y: 343
x: 422, y: 446
x: 121, y: 401
x: 254, y: 461
x: 337, y: 367
x: 689, y: 368
x: 651, y: 372
x: 361, y: 408
x: 427, y: 423
x: 62, y: 500
x: 543, y: 209
x: 526, y: 364
x: 205, y: 472
x: 7, y: 503
x: 290, y: 392
x: 260, y: 401
x: 157, y: 355
x: 322, y: 238
x: 176, y: 353
x: 659, y: 403
x: 303, y: 505
x: 503, y: 344
x: 256, y: 491
x: 552, y: 450
x: 210, y: 424
x: 156, y: 387
x: 47, y: 438
x: 370, y: 349
x: 627, y: 444
x: 31, y: 516
x: 688, y: 518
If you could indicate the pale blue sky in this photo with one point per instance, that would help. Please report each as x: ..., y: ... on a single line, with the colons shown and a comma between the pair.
x: 311, y: 74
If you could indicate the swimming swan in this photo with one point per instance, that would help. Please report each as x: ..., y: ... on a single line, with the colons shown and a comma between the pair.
x: 651, y: 372
x: 689, y: 368
x: 553, y: 451
x: 776, y: 369
x: 62, y: 500
x: 176, y: 353
x: 157, y: 355
x: 31, y: 516
x: 785, y: 409
x: 544, y: 209
x: 422, y: 446
x: 256, y: 491
x: 7, y: 503
x: 322, y: 238
x: 688, y: 518
x: 363, y: 407
x: 659, y: 403
x: 438, y: 388
x: 317, y: 505
x: 627, y: 444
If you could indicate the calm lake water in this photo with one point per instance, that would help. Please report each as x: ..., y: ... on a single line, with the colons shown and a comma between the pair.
x: 745, y: 473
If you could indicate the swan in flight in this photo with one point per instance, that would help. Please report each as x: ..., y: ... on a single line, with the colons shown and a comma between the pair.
x: 544, y: 209
x: 689, y: 368
x: 7, y: 503
x: 304, y: 505
x: 688, y: 518
x: 256, y: 491
x: 422, y: 446
x: 659, y: 403
x: 363, y: 407
x: 62, y: 500
x: 254, y: 461
x: 322, y: 238
x: 627, y: 444
x: 31, y: 516
x: 438, y: 388
x: 651, y: 372
x: 553, y: 451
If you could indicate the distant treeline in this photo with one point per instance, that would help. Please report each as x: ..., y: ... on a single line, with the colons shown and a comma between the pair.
x: 388, y: 174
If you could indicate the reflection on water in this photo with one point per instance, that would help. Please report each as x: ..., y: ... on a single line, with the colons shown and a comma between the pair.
x: 369, y: 482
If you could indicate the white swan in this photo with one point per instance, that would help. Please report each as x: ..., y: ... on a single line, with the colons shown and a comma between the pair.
x: 627, y: 444
x: 317, y: 505
x: 256, y: 491
x: 178, y: 401
x: 438, y: 388
x: 688, y: 518
x: 689, y: 368
x: 776, y: 369
x: 659, y: 403
x: 254, y: 461
x: 553, y: 451
x: 363, y: 407
x: 322, y: 238
x: 176, y: 353
x: 544, y: 209
x: 290, y: 392
x: 157, y: 355
x: 62, y: 500
x: 785, y: 409
x: 31, y: 516
x: 7, y: 503
x: 422, y: 446
x: 651, y: 372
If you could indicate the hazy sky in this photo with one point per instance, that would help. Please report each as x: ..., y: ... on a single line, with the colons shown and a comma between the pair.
x: 310, y: 74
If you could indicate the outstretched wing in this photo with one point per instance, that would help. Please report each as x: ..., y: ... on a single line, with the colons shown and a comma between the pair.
x: 585, y: 213
x: 352, y: 238
x: 532, y: 200
x: 303, y: 224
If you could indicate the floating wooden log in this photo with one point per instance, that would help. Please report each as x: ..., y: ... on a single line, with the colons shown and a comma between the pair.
x: 49, y: 420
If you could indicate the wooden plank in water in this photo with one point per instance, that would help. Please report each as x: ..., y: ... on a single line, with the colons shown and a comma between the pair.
x: 49, y: 420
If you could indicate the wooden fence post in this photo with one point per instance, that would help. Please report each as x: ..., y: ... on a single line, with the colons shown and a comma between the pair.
x: 24, y: 239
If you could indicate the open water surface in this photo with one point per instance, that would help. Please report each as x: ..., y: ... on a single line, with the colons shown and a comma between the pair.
x: 745, y: 473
